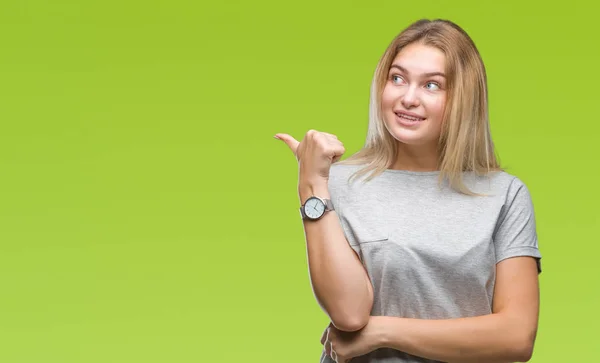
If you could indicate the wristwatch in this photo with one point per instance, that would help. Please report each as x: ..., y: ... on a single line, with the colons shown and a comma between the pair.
x: 314, y: 208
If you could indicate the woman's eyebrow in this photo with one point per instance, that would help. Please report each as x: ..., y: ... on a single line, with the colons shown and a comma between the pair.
x: 430, y: 74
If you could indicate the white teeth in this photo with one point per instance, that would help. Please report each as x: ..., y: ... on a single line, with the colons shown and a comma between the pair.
x: 409, y: 117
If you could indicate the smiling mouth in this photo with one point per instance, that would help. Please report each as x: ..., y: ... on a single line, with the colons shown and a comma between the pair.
x: 409, y: 118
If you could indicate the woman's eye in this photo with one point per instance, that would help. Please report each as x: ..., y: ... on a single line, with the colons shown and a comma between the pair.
x: 435, y: 86
x: 396, y: 79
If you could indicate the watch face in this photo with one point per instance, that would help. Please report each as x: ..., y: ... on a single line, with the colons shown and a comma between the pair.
x: 314, y: 208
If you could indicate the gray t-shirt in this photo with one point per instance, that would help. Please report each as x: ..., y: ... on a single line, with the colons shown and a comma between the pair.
x: 431, y: 253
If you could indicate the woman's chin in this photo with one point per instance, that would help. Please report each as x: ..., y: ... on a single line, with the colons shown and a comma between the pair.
x: 411, y: 138
x: 417, y: 136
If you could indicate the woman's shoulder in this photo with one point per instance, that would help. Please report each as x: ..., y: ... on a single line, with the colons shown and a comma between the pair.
x: 499, y: 182
x: 343, y: 181
x: 339, y: 171
x: 339, y: 174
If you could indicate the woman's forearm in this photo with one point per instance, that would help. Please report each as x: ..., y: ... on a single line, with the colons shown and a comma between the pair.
x: 339, y: 281
x: 494, y: 338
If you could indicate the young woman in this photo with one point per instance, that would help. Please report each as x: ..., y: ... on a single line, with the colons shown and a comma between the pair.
x: 433, y: 255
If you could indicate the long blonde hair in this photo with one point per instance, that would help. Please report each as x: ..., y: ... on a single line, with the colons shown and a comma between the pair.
x: 465, y: 143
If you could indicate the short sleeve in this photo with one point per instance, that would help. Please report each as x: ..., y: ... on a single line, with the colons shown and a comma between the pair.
x: 337, y: 188
x: 337, y: 206
x: 515, y: 233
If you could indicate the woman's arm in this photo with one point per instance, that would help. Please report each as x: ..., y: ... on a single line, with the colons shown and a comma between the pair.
x: 339, y: 280
x: 506, y: 335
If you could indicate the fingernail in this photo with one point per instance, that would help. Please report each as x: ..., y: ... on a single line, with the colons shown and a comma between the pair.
x: 277, y: 137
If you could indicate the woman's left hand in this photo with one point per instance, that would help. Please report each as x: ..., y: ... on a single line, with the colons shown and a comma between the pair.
x: 342, y: 346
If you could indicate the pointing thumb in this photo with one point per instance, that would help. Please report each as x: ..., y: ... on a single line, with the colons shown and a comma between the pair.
x: 290, y: 142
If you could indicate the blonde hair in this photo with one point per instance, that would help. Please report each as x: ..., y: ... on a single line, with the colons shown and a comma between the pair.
x: 465, y: 143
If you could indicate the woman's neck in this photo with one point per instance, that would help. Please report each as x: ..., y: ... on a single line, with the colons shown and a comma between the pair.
x: 416, y: 158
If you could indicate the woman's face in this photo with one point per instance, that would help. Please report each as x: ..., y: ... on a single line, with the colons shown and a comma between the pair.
x: 414, y: 96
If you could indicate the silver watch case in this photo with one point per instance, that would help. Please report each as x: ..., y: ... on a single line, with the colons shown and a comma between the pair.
x: 326, y: 202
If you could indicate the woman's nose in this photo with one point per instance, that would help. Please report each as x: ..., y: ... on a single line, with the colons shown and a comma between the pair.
x: 410, y: 98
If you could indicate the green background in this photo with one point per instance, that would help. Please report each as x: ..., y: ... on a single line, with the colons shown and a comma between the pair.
x: 147, y: 214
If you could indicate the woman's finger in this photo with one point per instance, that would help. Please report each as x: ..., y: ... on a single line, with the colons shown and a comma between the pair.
x: 290, y: 142
x: 339, y: 152
x: 334, y: 356
x: 328, y: 134
x: 324, y: 336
